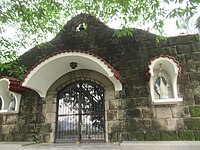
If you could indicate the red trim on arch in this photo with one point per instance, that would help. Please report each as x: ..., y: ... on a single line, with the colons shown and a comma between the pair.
x: 164, y: 56
x: 116, y: 74
x: 15, y: 85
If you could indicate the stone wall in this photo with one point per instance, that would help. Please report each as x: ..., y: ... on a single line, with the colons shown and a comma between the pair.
x: 131, y: 114
x: 29, y: 124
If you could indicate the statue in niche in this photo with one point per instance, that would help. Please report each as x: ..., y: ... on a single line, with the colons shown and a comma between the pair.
x: 11, y: 105
x: 161, y: 85
x: 0, y: 104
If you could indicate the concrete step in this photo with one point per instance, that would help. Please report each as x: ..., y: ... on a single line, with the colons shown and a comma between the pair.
x: 132, y: 145
x: 59, y: 146
x: 161, y: 145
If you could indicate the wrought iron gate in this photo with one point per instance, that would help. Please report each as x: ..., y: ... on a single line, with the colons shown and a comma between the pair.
x: 81, y: 113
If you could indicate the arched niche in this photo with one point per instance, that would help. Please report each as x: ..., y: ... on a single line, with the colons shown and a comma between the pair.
x: 163, y: 72
x: 10, y: 100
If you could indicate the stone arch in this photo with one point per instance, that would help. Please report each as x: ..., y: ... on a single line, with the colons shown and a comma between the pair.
x: 51, y: 98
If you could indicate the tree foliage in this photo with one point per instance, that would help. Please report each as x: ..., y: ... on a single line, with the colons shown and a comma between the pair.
x: 34, y: 20
x: 189, y: 24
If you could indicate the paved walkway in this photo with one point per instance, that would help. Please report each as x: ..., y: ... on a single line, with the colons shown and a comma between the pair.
x: 58, y: 146
x: 134, y: 145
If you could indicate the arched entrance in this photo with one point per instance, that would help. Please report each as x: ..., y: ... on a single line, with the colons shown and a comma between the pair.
x: 51, y: 75
x: 80, y: 112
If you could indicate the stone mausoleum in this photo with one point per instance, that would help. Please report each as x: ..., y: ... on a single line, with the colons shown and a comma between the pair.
x: 86, y: 85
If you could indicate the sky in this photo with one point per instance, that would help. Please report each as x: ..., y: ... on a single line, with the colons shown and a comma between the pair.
x: 170, y: 28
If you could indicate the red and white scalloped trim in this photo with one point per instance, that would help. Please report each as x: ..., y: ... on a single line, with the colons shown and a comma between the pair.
x: 116, y: 74
x: 164, y: 56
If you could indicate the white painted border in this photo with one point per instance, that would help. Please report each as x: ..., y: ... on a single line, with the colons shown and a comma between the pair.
x: 48, y: 71
x: 4, y: 94
x: 172, y: 69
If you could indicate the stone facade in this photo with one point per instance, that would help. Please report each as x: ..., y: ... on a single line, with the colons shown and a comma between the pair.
x: 29, y: 124
x: 130, y: 115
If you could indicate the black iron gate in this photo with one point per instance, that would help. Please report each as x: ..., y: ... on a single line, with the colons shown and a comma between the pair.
x: 81, y: 113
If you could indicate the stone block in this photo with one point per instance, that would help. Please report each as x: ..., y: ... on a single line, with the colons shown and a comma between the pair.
x: 197, y: 99
x: 123, y: 136
x: 197, y: 135
x: 11, y: 119
x: 195, y: 111
x: 179, y: 111
x: 186, y: 135
x: 5, y: 129
x: 144, y: 124
x: 191, y: 57
x: 181, y: 58
x: 137, y: 102
x: 159, y: 124
x: 188, y: 99
x: 168, y: 124
x: 111, y: 115
x: 121, y: 114
x: 184, y: 79
x: 50, y: 117
x: 113, y: 104
x: 18, y: 137
x: 195, y: 77
x: 32, y: 128
x: 121, y: 104
x: 46, y: 137
x: 46, y: 127
x: 116, y: 126
x: 29, y: 137
x: 175, y: 124
x: 152, y: 136
x: 133, y: 113
x: 172, y: 50
x: 131, y: 125
x: 192, y: 123
x: 114, y: 137
x: 168, y: 135
x: 109, y: 94
x: 189, y: 38
x: 174, y: 40
x: 8, y: 138
x: 147, y: 113
x: 24, y: 128
x: 192, y: 88
x: 40, y: 118
x: 185, y: 48
x: 197, y: 64
x: 189, y: 67
x: 195, y: 47
x: 32, y: 118
x: 136, y: 136
x: 4, y: 119
x: 139, y: 92
x: 1, y: 137
x: 50, y: 108
x: 163, y: 112
x: 31, y: 101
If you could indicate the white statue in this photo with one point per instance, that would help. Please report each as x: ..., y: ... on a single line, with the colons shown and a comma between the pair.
x: 11, y: 105
x: 162, y: 87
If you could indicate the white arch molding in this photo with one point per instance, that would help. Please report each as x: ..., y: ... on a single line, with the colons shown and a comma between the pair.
x: 45, y: 73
